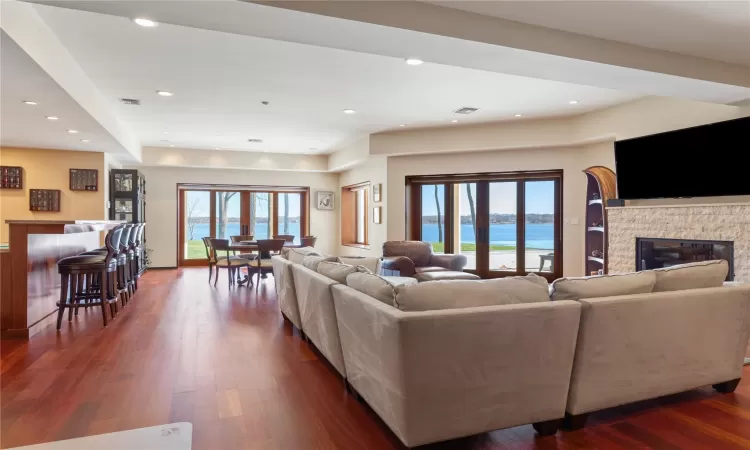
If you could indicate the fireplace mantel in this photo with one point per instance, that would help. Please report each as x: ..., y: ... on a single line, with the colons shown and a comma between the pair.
x: 717, y: 221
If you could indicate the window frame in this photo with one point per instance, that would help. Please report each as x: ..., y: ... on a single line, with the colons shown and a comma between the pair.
x: 350, y: 217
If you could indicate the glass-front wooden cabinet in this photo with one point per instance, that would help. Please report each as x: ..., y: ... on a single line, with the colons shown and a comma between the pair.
x: 127, y: 195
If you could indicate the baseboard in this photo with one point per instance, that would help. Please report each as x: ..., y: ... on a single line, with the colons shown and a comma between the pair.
x: 161, y: 268
x: 747, y: 361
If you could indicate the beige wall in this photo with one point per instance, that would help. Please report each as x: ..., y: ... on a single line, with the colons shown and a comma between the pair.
x: 374, y: 170
x: 572, y: 160
x: 50, y: 169
x: 161, y: 203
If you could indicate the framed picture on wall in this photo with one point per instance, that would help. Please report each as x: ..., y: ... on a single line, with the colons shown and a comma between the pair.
x: 325, y: 200
x: 376, y: 188
x: 376, y: 215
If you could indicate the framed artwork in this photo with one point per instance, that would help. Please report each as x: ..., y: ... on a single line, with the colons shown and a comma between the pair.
x: 376, y: 188
x: 376, y: 215
x: 325, y: 200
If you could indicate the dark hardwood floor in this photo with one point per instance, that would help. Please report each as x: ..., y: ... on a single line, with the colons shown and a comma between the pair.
x: 226, y: 362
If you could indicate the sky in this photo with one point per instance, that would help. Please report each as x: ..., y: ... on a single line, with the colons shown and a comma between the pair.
x: 540, y: 198
x: 203, y: 207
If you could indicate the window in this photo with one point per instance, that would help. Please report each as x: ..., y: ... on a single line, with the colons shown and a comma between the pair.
x: 504, y: 223
x: 354, y: 217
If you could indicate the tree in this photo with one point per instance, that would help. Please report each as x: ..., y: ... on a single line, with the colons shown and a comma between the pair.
x: 253, y: 201
x: 192, y: 220
x: 439, y: 219
x: 286, y: 213
x: 222, y: 213
x: 471, y: 209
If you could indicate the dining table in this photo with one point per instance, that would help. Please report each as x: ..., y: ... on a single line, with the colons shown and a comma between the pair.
x: 252, y: 246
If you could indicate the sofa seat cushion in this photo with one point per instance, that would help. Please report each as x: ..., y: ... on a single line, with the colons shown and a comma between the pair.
x: 400, y: 281
x: 439, y: 275
x: 603, y: 286
x: 698, y: 275
x: 455, y: 294
x: 312, y: 261
x: 372, y: 263
x: 373, y: 285
x: 296, y: 255
x: 425, y: 269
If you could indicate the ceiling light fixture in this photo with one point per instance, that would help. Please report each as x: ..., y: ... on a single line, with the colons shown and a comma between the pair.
x: 414, y: 61
x: 573, y: 102
x: 217, y: 148
x: 171, y: 145
x: 518, y: 115
x: 72, y: 131
x: 165, y: 93
x: 85, y: 140
x: 52, y: 117
x: 454, y: 121
x: 29, y: 102
x: 349, y: 111
x: 402, y: 125
x: 166, y: 132
x: 147, y: 23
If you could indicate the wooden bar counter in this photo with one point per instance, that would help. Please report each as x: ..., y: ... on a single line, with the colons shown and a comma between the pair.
x: 29, y: 282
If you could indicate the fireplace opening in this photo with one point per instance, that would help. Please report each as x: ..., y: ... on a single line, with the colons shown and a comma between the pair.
x: 656, y: 253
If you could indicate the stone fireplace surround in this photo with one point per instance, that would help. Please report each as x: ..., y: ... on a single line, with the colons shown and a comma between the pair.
x: 722, y: 222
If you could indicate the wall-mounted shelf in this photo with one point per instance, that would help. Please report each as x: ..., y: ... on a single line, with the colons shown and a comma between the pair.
x: 44, y: 200
x: 11, y: 177
x: 601, y: 187
x: 84, y: 180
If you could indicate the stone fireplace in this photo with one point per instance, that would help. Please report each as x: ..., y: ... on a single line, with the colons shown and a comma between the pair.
x: 727, y: 223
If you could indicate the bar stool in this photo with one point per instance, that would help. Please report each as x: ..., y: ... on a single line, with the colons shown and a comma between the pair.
x: 140, y: 253
x: 124, y: 281
x: 86, y: 278
x: 132, y: 259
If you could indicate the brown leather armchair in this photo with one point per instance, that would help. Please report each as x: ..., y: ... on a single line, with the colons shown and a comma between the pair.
x: 414, y: 257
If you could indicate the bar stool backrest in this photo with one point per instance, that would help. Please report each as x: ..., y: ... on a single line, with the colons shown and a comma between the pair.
x: 125, y: 237
x: 141, y: 231
x: 133, y: 234
x: 112, y: 241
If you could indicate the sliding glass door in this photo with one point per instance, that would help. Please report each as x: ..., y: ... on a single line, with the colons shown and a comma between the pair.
x: 240, y: 211
x: 505, y: 224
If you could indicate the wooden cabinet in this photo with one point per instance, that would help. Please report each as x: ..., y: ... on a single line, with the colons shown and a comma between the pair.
x: 127, y: 196
x: 601, y: 186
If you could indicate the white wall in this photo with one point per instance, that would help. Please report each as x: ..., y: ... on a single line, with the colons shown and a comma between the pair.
x: 572, y: 160
x: 374, y: 170
x: 161, y: 203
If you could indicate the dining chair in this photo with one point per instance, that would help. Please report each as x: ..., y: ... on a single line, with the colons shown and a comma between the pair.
x: 240, y: 238
x: 308, y: 241
x: 266, y: 249
x: 211, y: 256
x: 285, y: 237
x: 232, y: 263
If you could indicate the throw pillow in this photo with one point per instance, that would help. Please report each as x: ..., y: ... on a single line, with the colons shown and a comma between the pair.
x: 698, y: 275
x: 296, y: 255
x: 372, y: 285
x: 372, y: 263
x: 336, y: 271
x: 603, y: 286
x: 312, y: 261
x: 452, y: 294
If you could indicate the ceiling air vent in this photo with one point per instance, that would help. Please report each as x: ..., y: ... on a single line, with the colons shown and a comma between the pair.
x: 255, y: 141
x: 131, y: 101
x: 466, y: 110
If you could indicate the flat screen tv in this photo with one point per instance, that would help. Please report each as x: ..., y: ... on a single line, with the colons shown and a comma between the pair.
x: 706, y: 161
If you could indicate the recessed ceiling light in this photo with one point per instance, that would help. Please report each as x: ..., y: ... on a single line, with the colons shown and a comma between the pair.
x: 573, y: 102
x: 52, y: 117
x: 148, y: 23
x: 85, y: 140
x: 454, y: 121
x: 349, y: 111
x: 29, y: 102
x: 413, y: 61
x: 217, y: 148
x: 166, y: 132
x: 165, y: 93
x: 402, y: 125
x: 518, y: 115
x: 171, y: 145
x: 72, y: 131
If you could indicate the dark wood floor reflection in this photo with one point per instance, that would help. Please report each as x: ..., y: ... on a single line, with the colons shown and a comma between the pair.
x: 225, y: 361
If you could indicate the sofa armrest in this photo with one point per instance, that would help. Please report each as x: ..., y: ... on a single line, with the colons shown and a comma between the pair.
x: 401, y: 263
x: 450, y: 262
x: 437, y: 375
x: 638, y: 347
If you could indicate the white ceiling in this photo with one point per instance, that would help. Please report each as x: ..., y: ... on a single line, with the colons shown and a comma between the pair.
x: 713, y: 29
x: 26, y: 126
x: 220, y: 79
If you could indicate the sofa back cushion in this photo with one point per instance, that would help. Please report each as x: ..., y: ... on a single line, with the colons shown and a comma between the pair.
x: 312, y: 260
x: 698, y: 275
x: 419, y: 252
x: 373, y: 285
x: 452, y: 294
x: 372, y: 263
x: 297, y: 255
x: 603, y: 286
x: 339, y: 271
